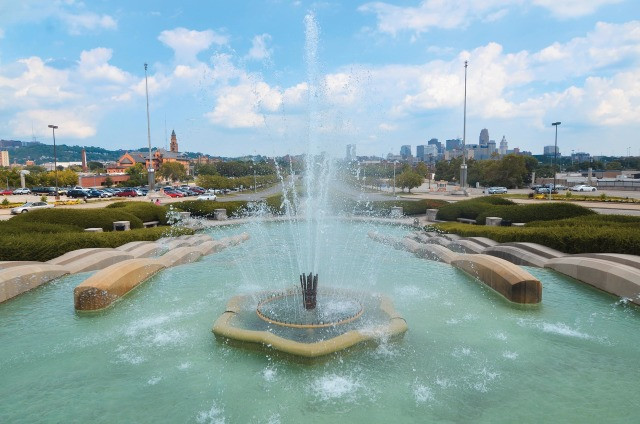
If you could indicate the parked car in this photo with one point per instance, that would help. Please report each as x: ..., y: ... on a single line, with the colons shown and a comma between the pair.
x: 105, y: 193
x: 31, y: 206
x: 543, y: 190
x: 6, y: 192
x: 207, y: 197
x: 128, y: 192
x: 78, y: 193
x: 22, y: 191
x: 583, y: 187
x: 173, y: 193
x: 497, y: 190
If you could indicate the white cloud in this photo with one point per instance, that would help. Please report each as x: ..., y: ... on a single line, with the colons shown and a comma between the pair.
x: 245, y: 105
x: 72, y: 123
x: 79, y: 23
x: 186, y: 44
x: 94, y: 64
x: 573, y: 8
x: 387, y: 127
x: 456, y: 14
x: 259, y: 49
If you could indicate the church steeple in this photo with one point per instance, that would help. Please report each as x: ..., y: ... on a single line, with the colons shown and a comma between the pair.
x: 173, y: 146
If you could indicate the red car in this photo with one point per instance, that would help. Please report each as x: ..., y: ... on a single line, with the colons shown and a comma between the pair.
x: 172, y: 193
x: 128, y: 192
x: 6, y: 192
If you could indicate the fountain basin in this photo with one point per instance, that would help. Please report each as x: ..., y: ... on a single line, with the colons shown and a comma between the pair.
x: 367, y: 318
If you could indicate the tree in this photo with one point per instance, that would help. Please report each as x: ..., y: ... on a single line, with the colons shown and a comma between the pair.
x: 206, y: 169
x: 108, y: 182
x: 422, y: 169
x: 409, y: 179
x: 95, y: 165
x: 173, y: 171
x: 137, y: 175
x: 614, y: 165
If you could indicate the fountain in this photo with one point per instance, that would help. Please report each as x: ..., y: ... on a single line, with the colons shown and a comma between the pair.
x: 306, y: 321
x: 470, y: 356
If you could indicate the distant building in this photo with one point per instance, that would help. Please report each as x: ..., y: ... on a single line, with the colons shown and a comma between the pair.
x: 10, y: 143
x: 484, y: 137
x: 580, y: 157
x: 491, y: 148
x: 504, y: 146
x: 158, y: 157
x: 351, y: 152
x: 435, y: 142
x: 4, y: 158
x: 551, y: 150
x: 405, y: 151
x: 453, y: 144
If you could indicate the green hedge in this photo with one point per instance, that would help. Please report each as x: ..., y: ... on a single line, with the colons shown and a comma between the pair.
x: 470, y: 209
x: 596, y: 220
x: 534, y: 212
x: 205, y: 208
x: 83, y: 218
x: 14, y: 226
x: 344, y: 204
x: 565, y: 239
x: 42, y: 247
x: 146, y: 211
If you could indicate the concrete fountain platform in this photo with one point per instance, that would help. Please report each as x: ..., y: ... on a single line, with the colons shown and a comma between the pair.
x: 617, y: 274
x: 119, y: 270
x: 226, y: 328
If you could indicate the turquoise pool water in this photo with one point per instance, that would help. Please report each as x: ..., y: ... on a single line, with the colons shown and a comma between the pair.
x: 469, y: 356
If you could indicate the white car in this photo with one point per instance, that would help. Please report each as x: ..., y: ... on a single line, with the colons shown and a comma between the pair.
x: 207, y: 196
x: 22, y: 191
x: 583, y: 187
x: 31, y: 206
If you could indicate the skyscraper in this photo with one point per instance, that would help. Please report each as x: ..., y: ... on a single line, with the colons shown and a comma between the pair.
x: 504, y: 147
x: 551, y: 150
x: 4, y: 158
x: 453, y: 144
x: 420, y: 152
x: 484, y: 137
x: 405, y: 151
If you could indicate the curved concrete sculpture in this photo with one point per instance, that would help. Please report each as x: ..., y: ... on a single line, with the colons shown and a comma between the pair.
x: 97, y: 260
x: 537, y: 249
x: 511, y: 281
x: 465, y: 246
x: 180, y: 256
x: 136, y: 244
x: 19, y: 279
x: 516, y: 255
x: 434, y: 252
x: 615, y: 278
x: 78, y: 254
x: 11, y: 264
x: 146, y: 250
x: 619, y: 258
x: 224, y: 327
x: 106, y: 286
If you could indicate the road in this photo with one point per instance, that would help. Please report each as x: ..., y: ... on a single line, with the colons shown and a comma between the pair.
x: 422, y: 192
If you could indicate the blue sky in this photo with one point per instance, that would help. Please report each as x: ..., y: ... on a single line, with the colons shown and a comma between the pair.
x: 231, y: 78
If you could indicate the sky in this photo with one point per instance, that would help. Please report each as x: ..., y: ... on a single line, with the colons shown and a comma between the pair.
x: 271, y: 77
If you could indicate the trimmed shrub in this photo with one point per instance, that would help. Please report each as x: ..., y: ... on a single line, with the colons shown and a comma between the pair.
x: 42, y: 247
x: 13, y: 226
x: 596, y: 220
x: 200, y: 208
x: 534, y: 212
x: 83, y: 218
x: 146, y: 211
x: 470, y: 209
x: 565, y: 239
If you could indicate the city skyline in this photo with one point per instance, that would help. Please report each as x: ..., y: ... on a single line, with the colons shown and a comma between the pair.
x: 232, y: 80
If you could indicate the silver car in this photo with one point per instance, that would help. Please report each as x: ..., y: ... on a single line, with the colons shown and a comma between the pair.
x: 31, y: 206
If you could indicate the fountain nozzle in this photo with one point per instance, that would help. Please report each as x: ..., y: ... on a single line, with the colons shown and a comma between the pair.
x: 309, y: 285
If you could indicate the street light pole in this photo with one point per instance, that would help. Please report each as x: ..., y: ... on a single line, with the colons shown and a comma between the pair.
x: 463, y: 167
x: 55, y: 157
x: 150, y: 170
x: 555, y: 157
x: 394, y: 177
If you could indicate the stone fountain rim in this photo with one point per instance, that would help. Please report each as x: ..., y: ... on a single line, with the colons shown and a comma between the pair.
x: 222, y: 328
